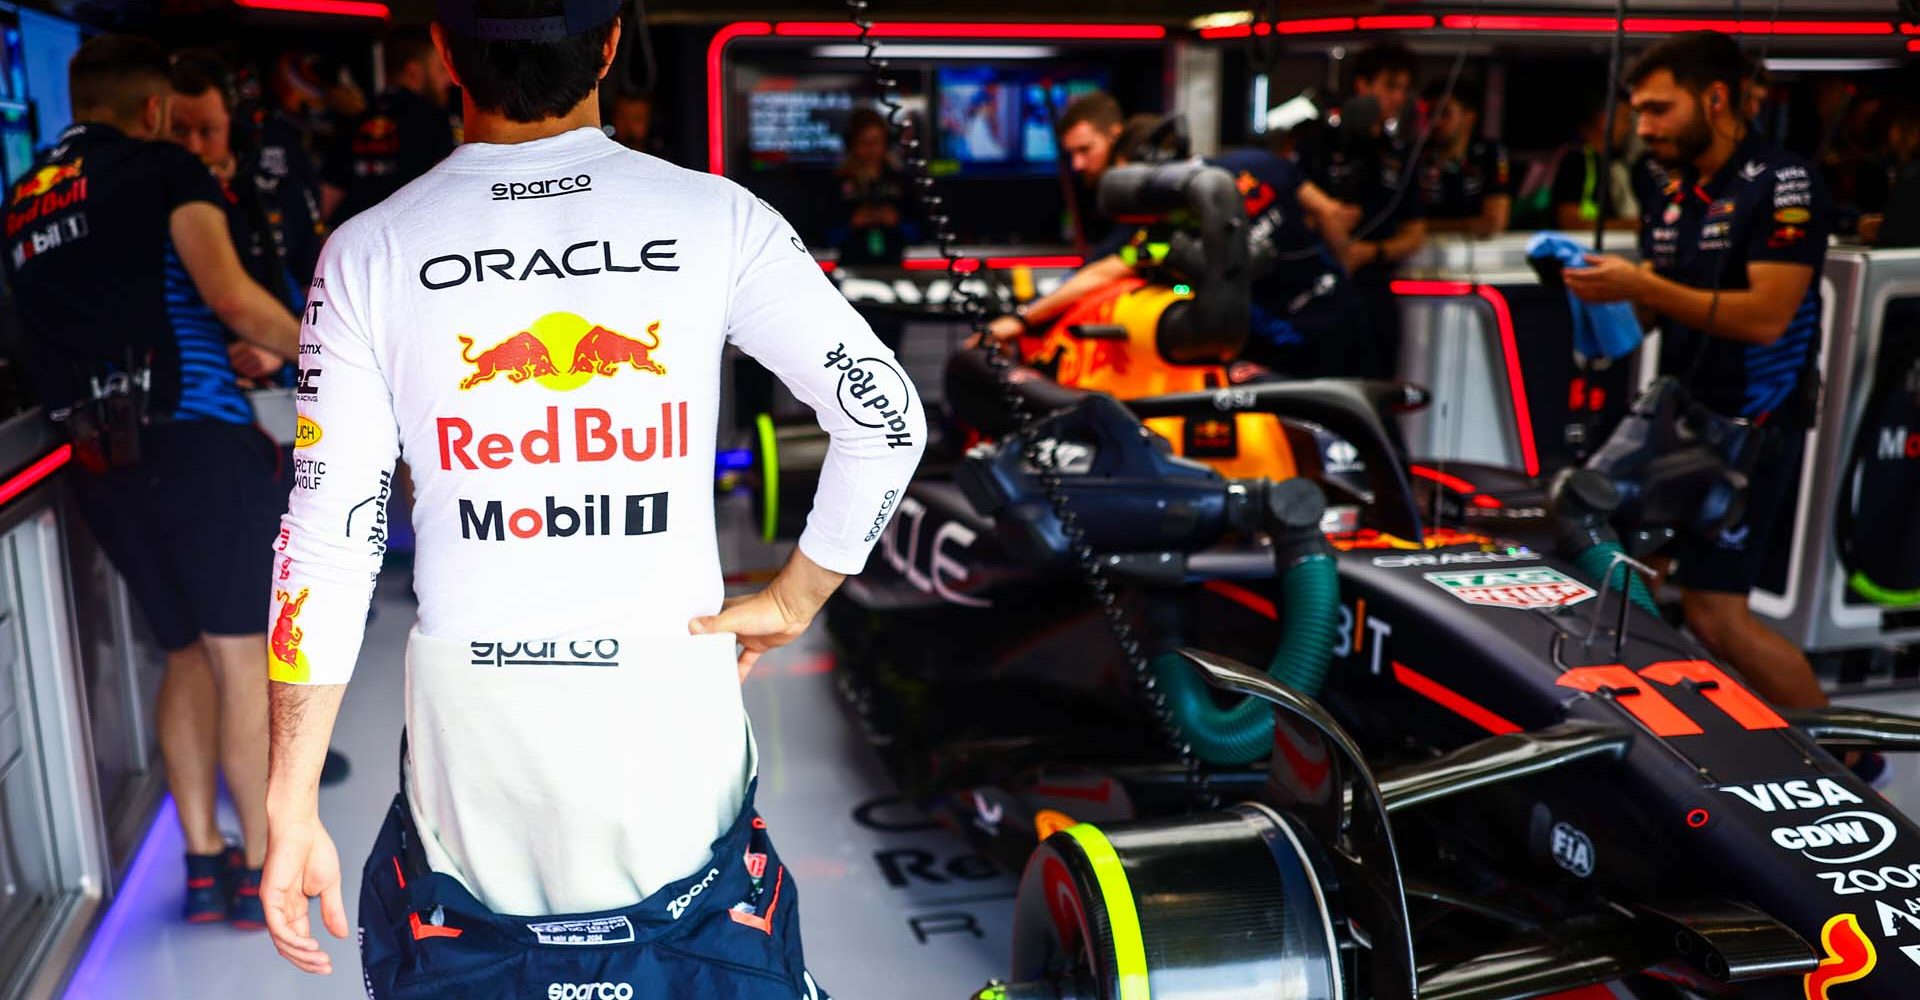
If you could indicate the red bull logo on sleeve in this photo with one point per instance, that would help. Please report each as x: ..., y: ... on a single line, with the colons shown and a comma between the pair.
x: 286, y: 662
x: 1850, y: 955
x: 589, y: 350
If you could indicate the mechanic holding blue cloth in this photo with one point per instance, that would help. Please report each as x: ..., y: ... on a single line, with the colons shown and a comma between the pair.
x: 1733, y: 244
x: 1607, y: 330
x: 536, y: 324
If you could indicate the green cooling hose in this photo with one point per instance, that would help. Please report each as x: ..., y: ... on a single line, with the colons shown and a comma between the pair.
x: 1594, y: 562
x: 1243, y: 734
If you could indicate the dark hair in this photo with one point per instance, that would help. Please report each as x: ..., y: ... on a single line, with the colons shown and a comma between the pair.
x: 405, y: 46
x: 862, y: 120
x: 1697, y: 60
x: 1131, y: 144
x: 528, y: 81
x: 1465, y: 94
x: 1374, y: 60
x: 116, y: 74
x: 1095, y: 107
x: 196, y: 71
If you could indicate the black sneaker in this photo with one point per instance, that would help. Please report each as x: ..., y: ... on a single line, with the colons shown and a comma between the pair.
x: 206, y: 888
x: 243, y: 899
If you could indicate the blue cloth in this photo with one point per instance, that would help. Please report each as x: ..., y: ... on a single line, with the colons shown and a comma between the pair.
x: 1600, y: 329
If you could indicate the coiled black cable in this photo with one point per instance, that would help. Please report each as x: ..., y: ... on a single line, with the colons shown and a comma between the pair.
x: 971, y: 304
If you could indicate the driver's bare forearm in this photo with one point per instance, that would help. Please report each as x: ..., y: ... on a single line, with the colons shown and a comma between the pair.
x: 301, y: 718
x: 1085, y: 280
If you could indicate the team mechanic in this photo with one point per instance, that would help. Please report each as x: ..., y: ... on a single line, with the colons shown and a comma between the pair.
x: 1734, y: 238
x: 537, y: 324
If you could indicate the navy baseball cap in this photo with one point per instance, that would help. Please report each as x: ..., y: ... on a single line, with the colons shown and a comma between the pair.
x: 572, y: 17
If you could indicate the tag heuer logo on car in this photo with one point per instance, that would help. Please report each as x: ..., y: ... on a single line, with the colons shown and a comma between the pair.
x: 1539, y: 587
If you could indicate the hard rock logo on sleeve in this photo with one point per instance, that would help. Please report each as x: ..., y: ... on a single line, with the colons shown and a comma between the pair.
x: 873, y: 393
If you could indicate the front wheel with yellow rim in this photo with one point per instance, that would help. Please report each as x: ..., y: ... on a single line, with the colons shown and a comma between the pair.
x: 1226, y: 903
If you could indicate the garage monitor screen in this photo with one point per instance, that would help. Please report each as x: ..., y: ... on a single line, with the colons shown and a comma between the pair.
x: 999, y: 120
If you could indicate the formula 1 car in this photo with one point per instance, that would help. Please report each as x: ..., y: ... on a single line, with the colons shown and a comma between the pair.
x: 1514, y: 781
x: 1470, y: 769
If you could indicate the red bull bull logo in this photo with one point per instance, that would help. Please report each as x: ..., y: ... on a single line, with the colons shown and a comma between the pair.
x: 521, y: 356
x: 591, y: 351
x: 1850, y: 955
x: 46, y: 179
x: 286, y: 663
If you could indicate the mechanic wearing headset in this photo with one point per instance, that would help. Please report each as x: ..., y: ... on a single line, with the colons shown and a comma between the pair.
x: 1303, y: 305
x: 1733, y: 236
x: 273, y: 214
x: 578, y: 751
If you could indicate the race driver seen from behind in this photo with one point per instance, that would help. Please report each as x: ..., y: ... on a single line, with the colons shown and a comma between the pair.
x: 536, y: 326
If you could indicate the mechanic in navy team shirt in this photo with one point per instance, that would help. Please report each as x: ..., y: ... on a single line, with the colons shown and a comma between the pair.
x: 1465, y: 185
x: 1305, y: 311
x: 1733, y: 239
x: 1306, y: 314
x: 401, y: 135
x: 125, y: 273
x: 272, y: 211
x: 1360, y: 156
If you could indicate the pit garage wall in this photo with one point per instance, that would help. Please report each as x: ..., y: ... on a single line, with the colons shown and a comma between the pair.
x: 79, y: 772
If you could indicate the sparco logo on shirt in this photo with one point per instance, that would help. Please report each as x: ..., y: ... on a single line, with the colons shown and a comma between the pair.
x: 488, y: 520
x: 551, y: 187
x: 679, y: 905
x: 590, y: 991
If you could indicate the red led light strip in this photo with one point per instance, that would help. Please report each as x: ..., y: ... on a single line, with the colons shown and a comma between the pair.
x: 716, y: 49
x: 716, y: 89
x: 29, y: 477
x: 1522, y: 23
x: 1397, y: 22
x: 1509, y: 347
x: 968, y: 265
x: 347, y: 8
x: 1022, y: 32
